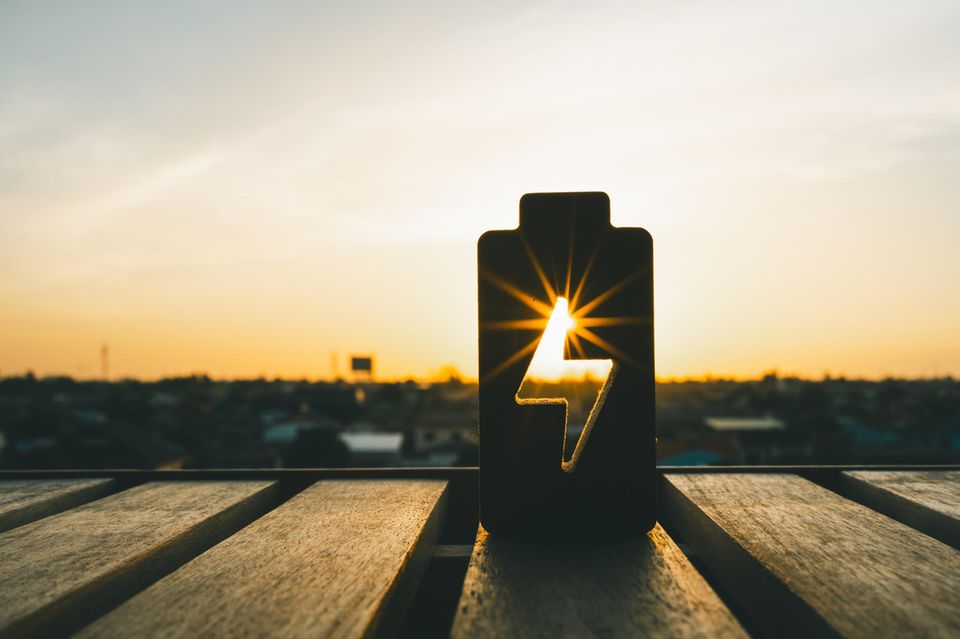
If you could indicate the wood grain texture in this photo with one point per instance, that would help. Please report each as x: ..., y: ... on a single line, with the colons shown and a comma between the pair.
x: 26, y: 500
x: 57, y: 571
x: 804, y: 561
x: 638, y: 588
x: 926, y: 500
x: 341, y: 559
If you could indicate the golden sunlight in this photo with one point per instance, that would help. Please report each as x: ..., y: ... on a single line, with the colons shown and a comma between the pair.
x: 581, y: 385
x: 548, y: 363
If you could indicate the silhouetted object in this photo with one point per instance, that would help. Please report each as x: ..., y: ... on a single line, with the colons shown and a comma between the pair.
x: 566, y: 247
x: 362, y: 367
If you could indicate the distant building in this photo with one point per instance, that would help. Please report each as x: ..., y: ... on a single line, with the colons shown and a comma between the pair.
x: 696, y: 457
x: 761, y: 440
x: 368, y: 424
x: 288, y: 430
x: 441, y: 436
x: 743, y: 424
x: 373, y: 449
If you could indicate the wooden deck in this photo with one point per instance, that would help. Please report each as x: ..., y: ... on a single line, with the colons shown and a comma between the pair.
x: 807, y: 552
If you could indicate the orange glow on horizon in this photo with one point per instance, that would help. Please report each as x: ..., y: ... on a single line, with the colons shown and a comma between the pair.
x: 280, y: 204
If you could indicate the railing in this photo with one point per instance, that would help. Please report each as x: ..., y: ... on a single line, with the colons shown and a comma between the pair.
x: 795, y: 550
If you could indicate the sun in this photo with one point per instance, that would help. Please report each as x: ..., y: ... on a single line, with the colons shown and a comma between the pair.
x: 546, y: 381
x: 548, y: 363
x: 562, y: 319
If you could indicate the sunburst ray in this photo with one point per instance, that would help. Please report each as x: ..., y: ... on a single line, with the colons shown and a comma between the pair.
x: 583, y: 278
x: 529, y: 324
x: 513, y: 359
x: 547, y: 288
x: 590, y: 336
x: 517, y: 294
x: 577, y: 346
x: 581, y: 311
x: 599, y: 322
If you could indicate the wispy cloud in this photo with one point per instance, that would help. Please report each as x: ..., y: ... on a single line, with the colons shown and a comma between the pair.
x: 140, y: 143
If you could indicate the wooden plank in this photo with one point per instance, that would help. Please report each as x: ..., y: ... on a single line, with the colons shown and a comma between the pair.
x: 341, y: 559
x: 638, y: 588
x: 26, y: 500
x: 926, y: 500
x: 804, y: 561
x: 58, y: 572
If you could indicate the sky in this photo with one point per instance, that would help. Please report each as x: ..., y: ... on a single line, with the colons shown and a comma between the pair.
x: 247, y: 188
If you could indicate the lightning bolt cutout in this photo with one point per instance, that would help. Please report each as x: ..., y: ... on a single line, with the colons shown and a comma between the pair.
x: 549, y: 365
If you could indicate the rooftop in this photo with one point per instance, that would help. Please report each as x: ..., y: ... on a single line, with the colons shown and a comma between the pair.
x: 729, y: 424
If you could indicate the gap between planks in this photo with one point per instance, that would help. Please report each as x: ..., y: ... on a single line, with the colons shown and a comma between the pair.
x: 638, y: 588
x: 25, y: 500
x: 803, y: 561
x: 928, y: 501
x: 64, y: 570
x: 343, y: 558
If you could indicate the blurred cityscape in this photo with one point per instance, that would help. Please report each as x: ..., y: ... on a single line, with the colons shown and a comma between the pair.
x: 198, y: 422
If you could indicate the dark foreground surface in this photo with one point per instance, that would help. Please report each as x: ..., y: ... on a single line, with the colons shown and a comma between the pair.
x: 798, y: 551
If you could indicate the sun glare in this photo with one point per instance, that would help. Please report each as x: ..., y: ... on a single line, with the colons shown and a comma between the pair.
x: 580, y: 384
x: 548, y: 363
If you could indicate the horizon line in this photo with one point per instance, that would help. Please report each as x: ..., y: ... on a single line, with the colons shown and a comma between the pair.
x: 467, y: 379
